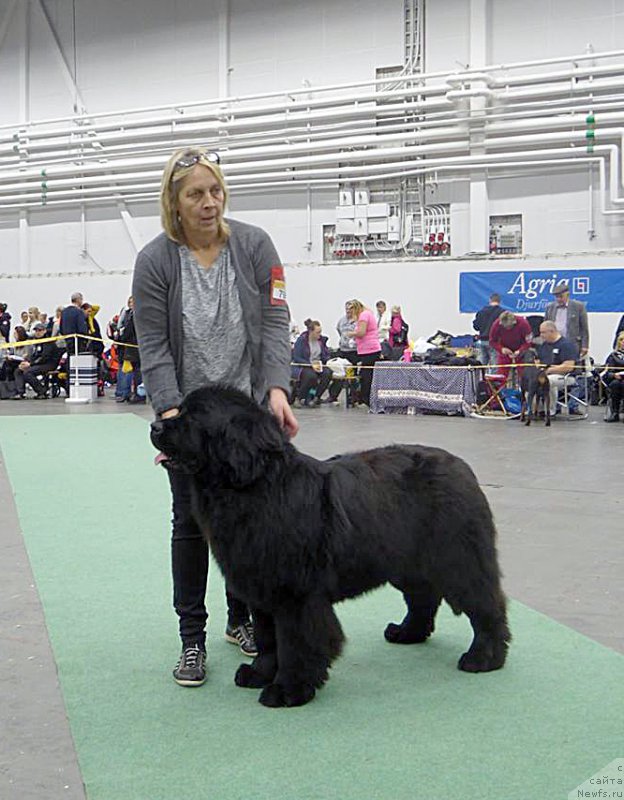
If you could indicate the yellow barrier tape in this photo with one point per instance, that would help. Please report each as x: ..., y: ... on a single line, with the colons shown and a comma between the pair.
x: 30, y: 342
x: 501, y: 367
x: 378, y: 365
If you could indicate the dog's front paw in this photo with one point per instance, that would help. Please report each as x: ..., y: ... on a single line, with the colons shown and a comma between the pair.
x: 277, y: 696
x: 401, y: 634
x: 247, y: 677
x: 483, y: 660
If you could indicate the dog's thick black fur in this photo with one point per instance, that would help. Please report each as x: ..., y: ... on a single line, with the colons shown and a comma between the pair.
x: 535, y: 390
x: 294, y: 535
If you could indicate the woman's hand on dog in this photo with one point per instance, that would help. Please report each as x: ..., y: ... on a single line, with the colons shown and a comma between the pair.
x: 282, y: 411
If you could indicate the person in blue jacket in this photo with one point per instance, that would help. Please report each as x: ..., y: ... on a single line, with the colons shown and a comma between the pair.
x: 311, y: 348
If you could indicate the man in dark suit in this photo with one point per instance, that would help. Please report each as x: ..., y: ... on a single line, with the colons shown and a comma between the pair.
x: 570, y: 317
x: 43, y: 358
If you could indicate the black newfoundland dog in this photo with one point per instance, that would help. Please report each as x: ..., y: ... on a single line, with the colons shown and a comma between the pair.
x: 294, y: 535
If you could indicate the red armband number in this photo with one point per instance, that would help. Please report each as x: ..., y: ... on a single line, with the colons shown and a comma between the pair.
x: 278, y: 287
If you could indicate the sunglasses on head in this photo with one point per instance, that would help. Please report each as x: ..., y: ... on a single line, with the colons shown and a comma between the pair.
x: 189, y: 159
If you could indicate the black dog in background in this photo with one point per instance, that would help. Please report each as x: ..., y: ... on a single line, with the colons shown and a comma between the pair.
x: 535, y: 390
x: 294, y: 535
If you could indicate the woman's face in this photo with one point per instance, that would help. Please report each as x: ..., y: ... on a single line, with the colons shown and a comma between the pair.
x: 315, y: 333
x: 200, y: 204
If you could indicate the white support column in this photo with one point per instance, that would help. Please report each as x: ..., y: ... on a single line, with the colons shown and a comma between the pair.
x: 77, y: 101
x: 6, y: 20
x: 224, y: 48
x: 24, y: 244
x: 128, y: 221
x: 479, y: 205
x: 23, y: 36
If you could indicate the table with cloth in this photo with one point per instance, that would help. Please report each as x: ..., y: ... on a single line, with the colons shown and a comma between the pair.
x: 399, y: 387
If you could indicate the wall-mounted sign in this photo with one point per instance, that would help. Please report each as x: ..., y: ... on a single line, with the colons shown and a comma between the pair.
x: 529, y: 292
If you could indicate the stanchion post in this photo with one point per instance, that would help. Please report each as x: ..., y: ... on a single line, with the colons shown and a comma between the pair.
x: 74, y: 392
x: 76, y: 382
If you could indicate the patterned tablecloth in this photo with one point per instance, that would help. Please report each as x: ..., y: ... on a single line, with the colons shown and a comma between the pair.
x: 399, y: 387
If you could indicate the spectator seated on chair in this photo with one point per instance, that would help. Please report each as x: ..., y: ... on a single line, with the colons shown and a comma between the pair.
x: 559, y: 355
x: 613, y: 379
x: 311, y: 348
x: 43, y: 358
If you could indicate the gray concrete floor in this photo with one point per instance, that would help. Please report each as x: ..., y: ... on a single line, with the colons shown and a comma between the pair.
x: 555, y: 496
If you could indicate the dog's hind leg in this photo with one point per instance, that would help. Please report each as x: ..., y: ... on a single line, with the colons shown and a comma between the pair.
x: 483, y: 602
x: 419, y: 622
x: 309, y: 638
x: 488, y: 650
x: 262, y: 669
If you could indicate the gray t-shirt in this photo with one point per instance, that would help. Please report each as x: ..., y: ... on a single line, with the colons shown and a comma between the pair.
x: 215, y: 345
x: 315, y: 350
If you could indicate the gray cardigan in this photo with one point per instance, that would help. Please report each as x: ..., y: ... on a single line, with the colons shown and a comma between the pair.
x: 157, y: 291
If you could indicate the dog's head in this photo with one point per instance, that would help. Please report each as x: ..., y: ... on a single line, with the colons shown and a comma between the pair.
x: 222, y: 432
x: 530, y: 356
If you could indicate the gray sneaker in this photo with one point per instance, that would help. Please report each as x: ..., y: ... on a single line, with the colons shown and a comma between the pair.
x: 243, y: 636
x: 191, y: 668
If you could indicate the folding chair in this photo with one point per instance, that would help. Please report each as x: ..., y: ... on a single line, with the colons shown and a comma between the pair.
x: 575, y: 381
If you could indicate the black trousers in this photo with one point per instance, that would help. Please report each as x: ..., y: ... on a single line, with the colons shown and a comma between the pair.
x: 189, y: 563
x: 350, y: 355
x: 366, y: 375
x: 31, y: 377
x: 310, y: 378
x: 616, y: 392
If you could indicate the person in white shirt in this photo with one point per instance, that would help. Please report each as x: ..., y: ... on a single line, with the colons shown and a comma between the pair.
x: 383, y: 320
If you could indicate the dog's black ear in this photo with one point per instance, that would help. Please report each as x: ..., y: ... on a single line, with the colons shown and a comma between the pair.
x: 247, y: 447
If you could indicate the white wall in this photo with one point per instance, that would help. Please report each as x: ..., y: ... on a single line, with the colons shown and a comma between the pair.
x: 154, y: 51
x: 428, y: 293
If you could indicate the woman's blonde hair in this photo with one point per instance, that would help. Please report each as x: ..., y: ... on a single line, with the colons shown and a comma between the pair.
x: 357, y: 307
x: 507, y: 319
x: 171, y: 184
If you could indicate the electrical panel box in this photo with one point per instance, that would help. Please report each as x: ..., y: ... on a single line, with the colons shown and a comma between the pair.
x: 394, y: 229
x: 361, y: 197
x: 361, y: 211
x: 378, y: 210
x: 506, y: 234
x: 345, y: 197
x: 378, y: 225
x: 345, y: 212
x: 345, y: 227
x: 361, y: 226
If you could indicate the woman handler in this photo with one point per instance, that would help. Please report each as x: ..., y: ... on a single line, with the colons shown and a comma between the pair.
x: 209, y: 307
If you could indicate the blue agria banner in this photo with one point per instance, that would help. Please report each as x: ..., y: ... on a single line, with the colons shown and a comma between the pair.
x: 530, y: 292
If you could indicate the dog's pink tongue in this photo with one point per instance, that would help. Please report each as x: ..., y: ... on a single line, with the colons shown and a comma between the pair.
x: 160, y: 458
